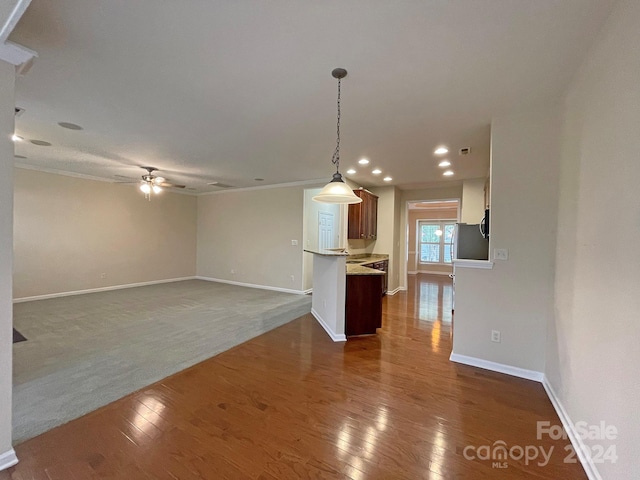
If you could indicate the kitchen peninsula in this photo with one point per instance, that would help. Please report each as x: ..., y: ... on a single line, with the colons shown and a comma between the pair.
x: 347, y: 293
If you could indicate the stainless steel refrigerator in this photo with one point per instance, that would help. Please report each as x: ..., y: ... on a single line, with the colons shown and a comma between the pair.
x: 469, y: 243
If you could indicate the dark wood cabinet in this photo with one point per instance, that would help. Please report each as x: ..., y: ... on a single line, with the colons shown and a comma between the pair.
x: 383, y: 266
x: 363, y: 311
x: 363, y: 217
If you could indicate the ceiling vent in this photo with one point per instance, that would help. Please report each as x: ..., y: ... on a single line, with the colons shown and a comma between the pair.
x: 464, y: 151
x: 19, y: 111
x: 220, y: 185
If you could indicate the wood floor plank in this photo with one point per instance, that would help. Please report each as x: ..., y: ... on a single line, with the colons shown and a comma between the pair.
x: 293, y: 404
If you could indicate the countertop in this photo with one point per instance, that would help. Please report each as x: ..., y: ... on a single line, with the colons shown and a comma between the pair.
x: 360, y: 270
x: 363, y: 259
x: 355, y: 262
x: 338, y: 252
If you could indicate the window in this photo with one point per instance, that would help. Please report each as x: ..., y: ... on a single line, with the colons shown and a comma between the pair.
x: 435, y: 241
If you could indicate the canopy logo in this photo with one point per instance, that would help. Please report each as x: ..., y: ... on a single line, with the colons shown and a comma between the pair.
x: 499, y: 453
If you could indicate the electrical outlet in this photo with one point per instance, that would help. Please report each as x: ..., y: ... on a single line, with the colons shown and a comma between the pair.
x: 500, y: 254
x: 495, y: 336
x: 103, y: 275
x: 233, y: 271
x: 294, y: 242
x: 293, y: 278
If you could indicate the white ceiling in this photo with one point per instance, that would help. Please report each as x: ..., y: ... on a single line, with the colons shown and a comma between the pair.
x: 231, y: 91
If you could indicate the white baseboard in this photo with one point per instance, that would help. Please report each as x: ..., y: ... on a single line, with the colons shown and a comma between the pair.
x: 308, y: 291
x: 336, y: 337
x: 395, y: 290
x: 8, y: 459
x: 578, y: 445
x: 100, y: 289
x: 430, y: 272
x: 251, y: 285
x: 497, y: 367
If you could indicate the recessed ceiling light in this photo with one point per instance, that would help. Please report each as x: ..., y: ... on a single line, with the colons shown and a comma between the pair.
x: 16, y: 138
x: 351, y: 171
x: 444, y: 163
x: 20, y: 156
x: 441, y: 150
x: 377, y: 171
x: 448, y: 173
x: 213, y: 183
x: 259, y: 179
x: 363, y: 161
x: 387, y: 179
x: 42, y: 143
x: 70, y: 126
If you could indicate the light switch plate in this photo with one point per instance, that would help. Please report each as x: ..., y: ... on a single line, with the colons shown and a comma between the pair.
x: 294, y: 242
x: 500, y: 254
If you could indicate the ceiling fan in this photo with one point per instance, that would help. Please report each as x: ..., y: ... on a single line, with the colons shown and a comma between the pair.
x: 154, y: 183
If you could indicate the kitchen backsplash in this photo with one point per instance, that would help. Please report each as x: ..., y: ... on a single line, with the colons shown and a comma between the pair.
x: 360, y: 246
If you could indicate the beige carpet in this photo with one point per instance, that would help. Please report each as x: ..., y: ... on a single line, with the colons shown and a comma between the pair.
x: 88, y: 350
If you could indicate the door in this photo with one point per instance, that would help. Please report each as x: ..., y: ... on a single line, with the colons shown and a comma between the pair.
x: 326, y: 232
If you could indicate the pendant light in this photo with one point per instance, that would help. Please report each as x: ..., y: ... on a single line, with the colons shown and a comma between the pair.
x: 337, y: 191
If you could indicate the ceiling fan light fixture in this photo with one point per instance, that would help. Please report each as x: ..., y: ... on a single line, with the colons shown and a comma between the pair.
x: 337, y: 191
x: 146, y: 188
x: 156, y: 189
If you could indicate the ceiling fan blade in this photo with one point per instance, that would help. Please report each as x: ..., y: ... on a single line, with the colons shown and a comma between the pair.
x: 159, y: 180
x: 171, y: 185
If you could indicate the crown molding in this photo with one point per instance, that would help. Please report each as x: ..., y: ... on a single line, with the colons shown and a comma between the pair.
x: 13, y: 18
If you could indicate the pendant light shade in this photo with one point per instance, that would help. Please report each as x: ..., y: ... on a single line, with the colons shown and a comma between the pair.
x: 337, y: 191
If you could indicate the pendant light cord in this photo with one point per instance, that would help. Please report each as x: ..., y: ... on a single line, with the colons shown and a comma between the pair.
x: 336, y: 155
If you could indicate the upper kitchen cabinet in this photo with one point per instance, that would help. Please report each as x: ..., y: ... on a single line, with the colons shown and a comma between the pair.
x: 363, y: 217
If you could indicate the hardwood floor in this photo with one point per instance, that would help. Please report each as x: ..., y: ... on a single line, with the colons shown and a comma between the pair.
x: 293, y: 404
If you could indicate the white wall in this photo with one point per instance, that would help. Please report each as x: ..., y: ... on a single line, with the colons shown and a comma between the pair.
x: 329, y: 294
x: 472, y: 205
x: 394, y: 270
x: 69, y: 231
x: 592, y: 349
x: 7, y: 103
x: 250, y: 232
x: 516, y: 296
